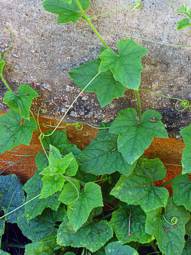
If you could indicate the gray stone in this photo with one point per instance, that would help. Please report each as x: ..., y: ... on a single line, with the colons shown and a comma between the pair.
x: 43, y: 52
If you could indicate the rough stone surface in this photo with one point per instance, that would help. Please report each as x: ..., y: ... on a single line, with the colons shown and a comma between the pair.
x: 43, y: 52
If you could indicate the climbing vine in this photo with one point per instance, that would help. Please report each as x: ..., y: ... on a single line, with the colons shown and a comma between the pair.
x: 104, y: 199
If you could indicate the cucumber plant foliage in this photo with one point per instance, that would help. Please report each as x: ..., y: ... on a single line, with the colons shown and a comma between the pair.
x: 107, y: 198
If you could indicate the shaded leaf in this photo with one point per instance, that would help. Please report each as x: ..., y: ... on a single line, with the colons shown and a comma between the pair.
x: 21, y: 100
x: 125, y: 64
x: 186, y: 156
x: 67, y: 11
x: 139, y: 188
x: 116, y: 248
x: 187, y: 247
x: 128, y: 223
x: 12, y: 196
x: 135, y: 136
x: 92, y: 236
x: 105, y: 86
x: 89, y: 198
x: 15, y: 131
x: 168, y: 227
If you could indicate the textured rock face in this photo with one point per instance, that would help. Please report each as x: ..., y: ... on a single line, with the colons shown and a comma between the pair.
x: 43, y: 52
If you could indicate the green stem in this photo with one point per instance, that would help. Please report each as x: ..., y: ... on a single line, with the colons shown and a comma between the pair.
x: 138, y: 101
x: 6, y: 83
x: 87, y: 18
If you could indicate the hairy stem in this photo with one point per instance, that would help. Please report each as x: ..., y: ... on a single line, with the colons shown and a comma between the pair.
x: 88, y: 20
x: 138, y: 101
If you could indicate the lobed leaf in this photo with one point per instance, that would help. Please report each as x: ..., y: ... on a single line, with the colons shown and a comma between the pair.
x: 168, y: 227
x: 67, y: 11
x: 92, y: 236
x: 128, y: 223
x: 15, y: 131
x: 102, y: 157
x: 139, y: 188
x: 21, y: 101
x: 126, y: 64
x: 134, y: 135
x: 104, y: 86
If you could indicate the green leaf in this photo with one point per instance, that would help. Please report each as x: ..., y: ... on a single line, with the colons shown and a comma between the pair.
x: 183, y: 23
x: 126, y: 64
x: 21, y: 101
x: 139, y: 188
x: 4, y: 253
x: 51, y: 185
x: 105, y: 86
x: 43, y: 247
x: 70, y: 192
x: 187, y: 247
x: 32, y: 188
x: 2, y: 66
x: 186, y: 156
x: 41, y: 161
x: 2, y: 229
x: 67, y: 11
x: 79, y: 211
x: 60, y: 140
x: 39, y: 228
x: 92, y: 236
x: 168, y: 227
x: 116, y: 248
x: 15, y: 131
x: 135, y: 136
x: 185, y: 10
x: 182, y: 191
x: 102, y: 157
x: 12, y: 196
x: 69, y: 253
x: 128, y: 223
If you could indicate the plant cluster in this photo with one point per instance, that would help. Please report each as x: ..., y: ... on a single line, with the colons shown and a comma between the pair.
x: 104, y: 199
x: 185, y: 22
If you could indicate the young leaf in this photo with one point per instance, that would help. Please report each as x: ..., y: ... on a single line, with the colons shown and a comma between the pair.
x: 182, y: 191
x: 183, y: 23
x: 79, y: 211
x: 102, y: 157
x: 32, y: 188
x: 12, y: 196
x: 105, y: 86
x: 185, y: 10
x: 186, y: 156
x: 125, y: 64
x: 43, y: 247
x: 92, y: 236
x: 116, y: 248
x: 70, y: 192
x: 67, y: 11
x: 60, y: 140
x: 21, y: 101
x: 128, y: 223
x: 134, y: 135
x: 15, y: 131
x: 168, y: 227
x: 139, y: 188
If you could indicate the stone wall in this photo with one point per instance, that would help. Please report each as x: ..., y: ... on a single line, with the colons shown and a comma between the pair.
x: 43, y: 52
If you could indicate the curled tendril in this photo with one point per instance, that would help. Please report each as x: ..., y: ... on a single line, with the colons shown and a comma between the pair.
x: 173, y: 221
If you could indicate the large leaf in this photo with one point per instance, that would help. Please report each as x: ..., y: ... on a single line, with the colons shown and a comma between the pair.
x: 105, y: 86
x: 102, y: 157
x: 79, y: 211
x: 37, y: 206
x: 139, y: 188
x: 60, y: 140
x: 21, y: 100
x: 11, y: 196
x: 92, y: 236
x: 182, y: 191
x: 15, y: 131
x: 43, y: 247
x: 116, y: 248
x: 67, y: 11
x: 39, y: 228
x: 186, y: 157
x: 134, y: 135
x: 168, y: 227
x: 128, y: 223
x: 125, y: 64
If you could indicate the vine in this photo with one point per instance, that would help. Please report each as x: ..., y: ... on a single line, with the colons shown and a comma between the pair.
x: 103, y: 199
